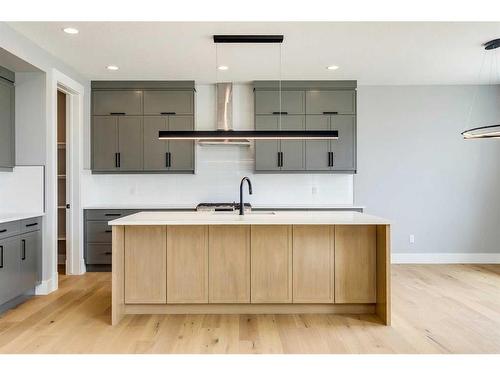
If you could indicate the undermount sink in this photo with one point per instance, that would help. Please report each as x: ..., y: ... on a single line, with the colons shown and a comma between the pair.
x: 257, y: 213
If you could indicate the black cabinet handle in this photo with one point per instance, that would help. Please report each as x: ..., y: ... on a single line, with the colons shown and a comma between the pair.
x: 117, y: 113
x: 108, y: 253
x: 116, y: 159
x: 112, y: 214
x: 3, y: 230
x: 280, y: 159
x: 280, y: 113
x: 119, y: 159
x: 167, y: 113
x: 31, y: 225
x: 108, y: 231
x: 330, y: 113
x: 23, y: 256
x: 330, y: 159
x: 169, y: 159
x: 1, y: 256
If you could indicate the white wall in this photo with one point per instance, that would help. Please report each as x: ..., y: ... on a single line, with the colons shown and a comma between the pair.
x: 21, y: 190
x: 219, y: 170
x: 415, y: 169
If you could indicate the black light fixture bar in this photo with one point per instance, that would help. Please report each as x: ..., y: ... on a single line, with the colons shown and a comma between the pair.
x: 490, y: 131
x: 248, y: 38
x: 198, y: 135
x: 492, y: 44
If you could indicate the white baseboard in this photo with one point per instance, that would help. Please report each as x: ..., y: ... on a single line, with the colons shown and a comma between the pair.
x: 445, y: 258
x: 47, y: 286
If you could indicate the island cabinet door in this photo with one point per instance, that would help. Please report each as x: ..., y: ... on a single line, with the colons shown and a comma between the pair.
x: 187, y: 264
x: 355, y: 263
x: 313, y: 263
x: 145, y: 264
x: 271, y: 266
x: 229, y: 263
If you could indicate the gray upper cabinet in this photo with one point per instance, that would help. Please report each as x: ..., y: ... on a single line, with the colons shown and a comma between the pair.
x: 7, y: 127
x: 168, y: 102
x: 127, y: 116
x: 105, y: 143
x: 327, y: 102
x: 130, y: 133
x: 309, y: 105
x: 117, y: 102
x: 267, y: 102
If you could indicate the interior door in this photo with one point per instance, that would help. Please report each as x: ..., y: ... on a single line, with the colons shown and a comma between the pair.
x: 344, y: 148
x: 104, y: 143
x: 155, y: 150
x: 130, y: 133
x: 181, y: 152
x: 292, y: 151
x: 266, y: 152
x: 317, y: 152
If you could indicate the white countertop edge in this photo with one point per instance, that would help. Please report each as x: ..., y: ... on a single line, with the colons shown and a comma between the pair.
x: 191, y: 207
x: 5, y: 218
x: 281, y: 218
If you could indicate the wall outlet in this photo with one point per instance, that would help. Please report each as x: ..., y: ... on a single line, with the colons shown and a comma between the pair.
x: 412, y: 238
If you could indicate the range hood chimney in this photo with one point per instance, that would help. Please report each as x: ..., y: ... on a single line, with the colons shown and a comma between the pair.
x: 224, y: 115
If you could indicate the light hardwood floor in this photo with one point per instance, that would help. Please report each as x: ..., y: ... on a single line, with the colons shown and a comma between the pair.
x: 436, y: 309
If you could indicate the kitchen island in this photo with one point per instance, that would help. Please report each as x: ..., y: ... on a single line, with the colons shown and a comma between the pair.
x: 258, y: 263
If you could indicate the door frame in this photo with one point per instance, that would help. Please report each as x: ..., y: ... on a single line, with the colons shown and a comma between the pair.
x: 75, y: 264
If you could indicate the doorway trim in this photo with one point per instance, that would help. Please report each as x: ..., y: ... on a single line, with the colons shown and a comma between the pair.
x: 75, y: 264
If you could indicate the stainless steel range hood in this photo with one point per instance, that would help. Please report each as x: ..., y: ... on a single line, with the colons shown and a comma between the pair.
x: 224, y: 116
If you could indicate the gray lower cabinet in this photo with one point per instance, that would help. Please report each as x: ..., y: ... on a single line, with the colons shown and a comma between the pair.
x: 335, y: 155
x: 20, y: 258
x: 279, y: 155
x: 115, y: 145
x: 167, y: 155
x: 7, y: 127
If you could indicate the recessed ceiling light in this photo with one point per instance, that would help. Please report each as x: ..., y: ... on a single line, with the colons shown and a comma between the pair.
x: 223, y: 67
x: 332, y: 67
x: 112, y: 67
x: 70, y: 30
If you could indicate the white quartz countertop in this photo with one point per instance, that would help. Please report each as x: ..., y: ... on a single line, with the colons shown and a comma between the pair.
x: 7, y: 217
x: 113, y: 206
x: 255, y: 218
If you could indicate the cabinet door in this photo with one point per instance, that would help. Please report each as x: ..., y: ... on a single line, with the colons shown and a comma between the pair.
x: 316, y: 154
x: 181, y: 152
x: 6, y: 124
x: 340, y: 101
x: 104, y: 143
x: 355, y: 263
x: 28, y: 255
x: 293, y: 151
x: 161, y: 102
x: 155, y: 150
x: 313, y: 263
x: 271, y: 265
x: 229, y: 263
x: 266, y: 152
x: 187, y: 264
x: 145, y: 264
x: 130, y: 141
x: 344, y: 148
x: 268, y: 101
x: 124, y: 102
x: 9, y: 269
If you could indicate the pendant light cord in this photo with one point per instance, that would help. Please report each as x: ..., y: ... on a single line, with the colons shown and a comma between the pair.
x: 476, y: 90
x: 280, y: 84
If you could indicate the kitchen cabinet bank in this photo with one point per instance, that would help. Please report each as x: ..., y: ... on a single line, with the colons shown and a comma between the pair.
x: 260, y: 263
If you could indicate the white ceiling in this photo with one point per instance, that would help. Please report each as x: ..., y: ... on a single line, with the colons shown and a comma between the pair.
x: 374, y: 53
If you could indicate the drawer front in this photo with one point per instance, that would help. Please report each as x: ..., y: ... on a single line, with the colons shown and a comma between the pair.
x: 30, y: 225
x: 98, y: 254
x: 107, y: 215
x: 98, y: 231
x: 120, y: 102
x: 10, y: 229
x: 168, y: 102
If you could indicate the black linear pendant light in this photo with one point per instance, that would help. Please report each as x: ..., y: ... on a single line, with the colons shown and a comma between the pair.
x: 235, y: 135
x: 489, y: 131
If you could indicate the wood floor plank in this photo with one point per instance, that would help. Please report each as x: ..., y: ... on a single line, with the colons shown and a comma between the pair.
x: 435, y: 309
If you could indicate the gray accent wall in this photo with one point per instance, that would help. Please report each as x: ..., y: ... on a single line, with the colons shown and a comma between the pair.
x: 415, y: 169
